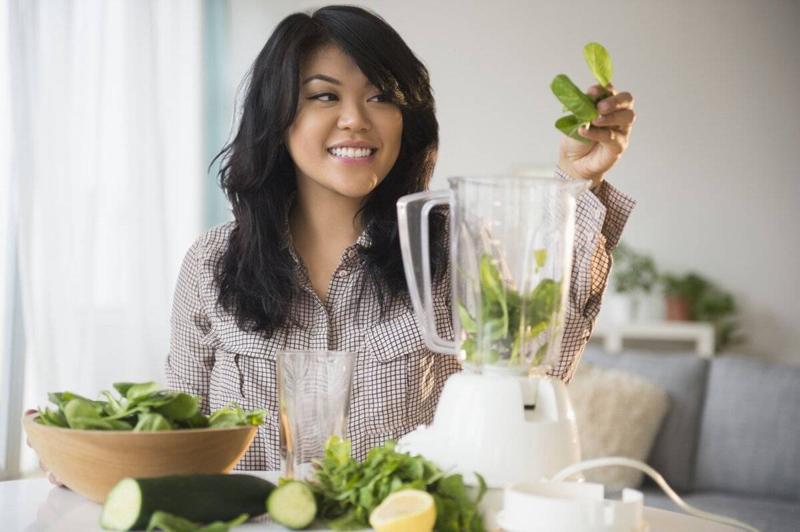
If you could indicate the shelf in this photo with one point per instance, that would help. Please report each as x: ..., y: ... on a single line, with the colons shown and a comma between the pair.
x: 699, y: 333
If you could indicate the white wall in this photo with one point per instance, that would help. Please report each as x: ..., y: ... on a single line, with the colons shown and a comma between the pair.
x: 712, y: 161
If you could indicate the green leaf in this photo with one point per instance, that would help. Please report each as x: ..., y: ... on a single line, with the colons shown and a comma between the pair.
x: 569, y: 125
x: 152, y: 422
x: 62, y: 398
x: 467, y: 321
x: 540, y: 354
x: 491, y: 282
x: 180, y: 406
x: 52, y: 418
x: 77, y: 411
x: 197, y: 421
x: 573, y: 98
x: 123, y: 387
x: 599, y: 62
x: 540, y: 256
x: 544, y: 301
x: 112, y: 407
x: 138, y: 392
x: 482, y: 488
x: 494, y: 330
x: 255, y: 417
x: 470, y: 348
x: 224, y: 418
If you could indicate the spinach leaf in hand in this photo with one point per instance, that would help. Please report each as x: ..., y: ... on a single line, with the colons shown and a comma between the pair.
x: 582, y: 106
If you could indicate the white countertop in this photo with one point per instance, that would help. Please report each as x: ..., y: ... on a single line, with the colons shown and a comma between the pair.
x: 35, y: 505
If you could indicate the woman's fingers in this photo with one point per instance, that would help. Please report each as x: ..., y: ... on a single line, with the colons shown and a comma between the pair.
x: 616, y: 141
x: 622, y: 100
x: 622, y: 120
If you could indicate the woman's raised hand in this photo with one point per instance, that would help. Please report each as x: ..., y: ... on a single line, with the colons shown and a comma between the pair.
x: 610, y: 133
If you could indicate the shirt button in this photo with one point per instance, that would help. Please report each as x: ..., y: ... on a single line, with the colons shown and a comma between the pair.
x: 342, y: 273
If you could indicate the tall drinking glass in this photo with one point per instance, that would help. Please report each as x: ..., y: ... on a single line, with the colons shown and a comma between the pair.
x: 314, y: 402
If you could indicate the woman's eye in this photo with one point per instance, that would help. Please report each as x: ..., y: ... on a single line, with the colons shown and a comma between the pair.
x: 324, y: 97
x: 381, y: 98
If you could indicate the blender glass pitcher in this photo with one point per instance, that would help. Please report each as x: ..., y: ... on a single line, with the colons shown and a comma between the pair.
x: 511, y: 241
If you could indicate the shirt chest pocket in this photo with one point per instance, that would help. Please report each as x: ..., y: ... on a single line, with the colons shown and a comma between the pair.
x: 381, y: 389
x: 244, y: 372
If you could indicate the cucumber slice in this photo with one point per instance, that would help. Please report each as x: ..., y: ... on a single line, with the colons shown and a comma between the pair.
x: 292, y: 505
x: 201, y: 498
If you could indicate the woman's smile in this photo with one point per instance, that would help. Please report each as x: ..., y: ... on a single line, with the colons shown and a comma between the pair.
x: 353, y: 153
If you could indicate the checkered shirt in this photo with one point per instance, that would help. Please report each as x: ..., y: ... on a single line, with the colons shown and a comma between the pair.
x: 397, y: 380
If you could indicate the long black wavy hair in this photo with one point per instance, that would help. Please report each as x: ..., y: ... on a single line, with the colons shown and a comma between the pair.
x: 256, y: 274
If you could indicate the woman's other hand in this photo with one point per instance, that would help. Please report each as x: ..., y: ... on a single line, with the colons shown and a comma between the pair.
x: 609, y: 135
x: 50, y: 476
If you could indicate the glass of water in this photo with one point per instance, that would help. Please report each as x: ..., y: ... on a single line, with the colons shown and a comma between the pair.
x: 314, y: 402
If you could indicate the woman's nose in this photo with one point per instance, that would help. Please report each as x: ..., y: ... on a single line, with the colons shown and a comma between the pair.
x: 354, y: 116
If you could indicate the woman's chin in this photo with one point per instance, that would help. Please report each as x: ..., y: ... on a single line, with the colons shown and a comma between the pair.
x: 356, y: 189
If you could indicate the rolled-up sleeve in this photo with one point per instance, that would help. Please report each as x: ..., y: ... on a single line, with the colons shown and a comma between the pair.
x: 190, y: 361
x: 600, y: 218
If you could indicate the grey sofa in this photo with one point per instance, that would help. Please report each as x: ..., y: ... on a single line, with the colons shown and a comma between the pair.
x: 730, y: 442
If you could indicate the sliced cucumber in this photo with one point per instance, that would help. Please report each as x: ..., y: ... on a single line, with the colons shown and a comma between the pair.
x: 201, y: 498
x: 292, y: 505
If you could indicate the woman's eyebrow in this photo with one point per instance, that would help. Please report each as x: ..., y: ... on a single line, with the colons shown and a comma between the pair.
x: 323, y: 77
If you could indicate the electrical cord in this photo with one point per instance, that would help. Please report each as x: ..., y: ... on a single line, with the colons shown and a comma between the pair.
x: 586, y: 465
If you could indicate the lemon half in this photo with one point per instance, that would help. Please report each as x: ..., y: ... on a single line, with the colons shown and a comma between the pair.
x: 405, y: 511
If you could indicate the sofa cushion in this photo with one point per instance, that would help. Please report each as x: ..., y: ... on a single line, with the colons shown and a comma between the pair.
x: 767, y: 515
x: 618, y: 414
x: 749, y: 440
x: 683, y: 376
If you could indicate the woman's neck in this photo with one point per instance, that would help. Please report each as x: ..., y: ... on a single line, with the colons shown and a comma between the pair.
x: 322, y: 225
x: 323, y: 219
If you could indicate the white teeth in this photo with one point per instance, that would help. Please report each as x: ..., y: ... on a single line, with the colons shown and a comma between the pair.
x: 352, y: 153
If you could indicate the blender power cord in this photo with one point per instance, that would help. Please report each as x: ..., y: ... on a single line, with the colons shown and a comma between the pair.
x: 586, y: 465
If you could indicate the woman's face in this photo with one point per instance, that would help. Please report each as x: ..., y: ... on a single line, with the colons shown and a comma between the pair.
x: 345, y: 136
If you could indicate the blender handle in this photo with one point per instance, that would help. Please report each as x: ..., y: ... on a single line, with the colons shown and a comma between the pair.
x: 415, y: 209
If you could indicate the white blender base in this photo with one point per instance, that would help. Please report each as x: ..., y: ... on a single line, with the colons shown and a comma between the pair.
x: 481, y: 426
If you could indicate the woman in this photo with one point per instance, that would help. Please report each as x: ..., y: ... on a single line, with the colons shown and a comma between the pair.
x: 337, y: 124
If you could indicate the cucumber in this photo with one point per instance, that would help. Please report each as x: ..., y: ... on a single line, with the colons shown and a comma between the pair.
x: 201, y: 498
x: 292, y: 505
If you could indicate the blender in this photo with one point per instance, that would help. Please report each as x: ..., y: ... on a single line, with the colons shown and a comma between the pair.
x: 510, y: 245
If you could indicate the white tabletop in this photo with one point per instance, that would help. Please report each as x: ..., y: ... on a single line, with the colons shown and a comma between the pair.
x: 35, y: 505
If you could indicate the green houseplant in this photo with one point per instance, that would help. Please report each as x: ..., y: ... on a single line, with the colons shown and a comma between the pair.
x: 693, y: 297
x: 634, y: 276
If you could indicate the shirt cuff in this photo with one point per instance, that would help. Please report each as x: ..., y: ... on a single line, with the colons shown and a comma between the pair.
x: 614, y: 208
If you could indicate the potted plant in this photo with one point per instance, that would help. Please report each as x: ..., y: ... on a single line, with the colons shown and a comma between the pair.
x: 693, y: 297
x: 634, y: 276
x: 679, y: 292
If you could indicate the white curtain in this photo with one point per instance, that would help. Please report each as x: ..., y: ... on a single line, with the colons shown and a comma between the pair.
x: 111, y: 98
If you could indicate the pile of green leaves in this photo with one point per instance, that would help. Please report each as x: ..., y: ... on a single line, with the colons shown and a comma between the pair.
x: 509, y: 320
x: 141, y: 406
x: 583, y: 107
x: 347, y: 490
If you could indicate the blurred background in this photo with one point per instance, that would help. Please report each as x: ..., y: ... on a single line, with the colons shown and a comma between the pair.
x: 111, y: 112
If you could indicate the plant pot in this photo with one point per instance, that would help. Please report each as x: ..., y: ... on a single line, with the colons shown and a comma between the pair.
x: 678, y: 309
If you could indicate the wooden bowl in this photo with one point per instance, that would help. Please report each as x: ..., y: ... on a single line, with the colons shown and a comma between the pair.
x: 91, y: 462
